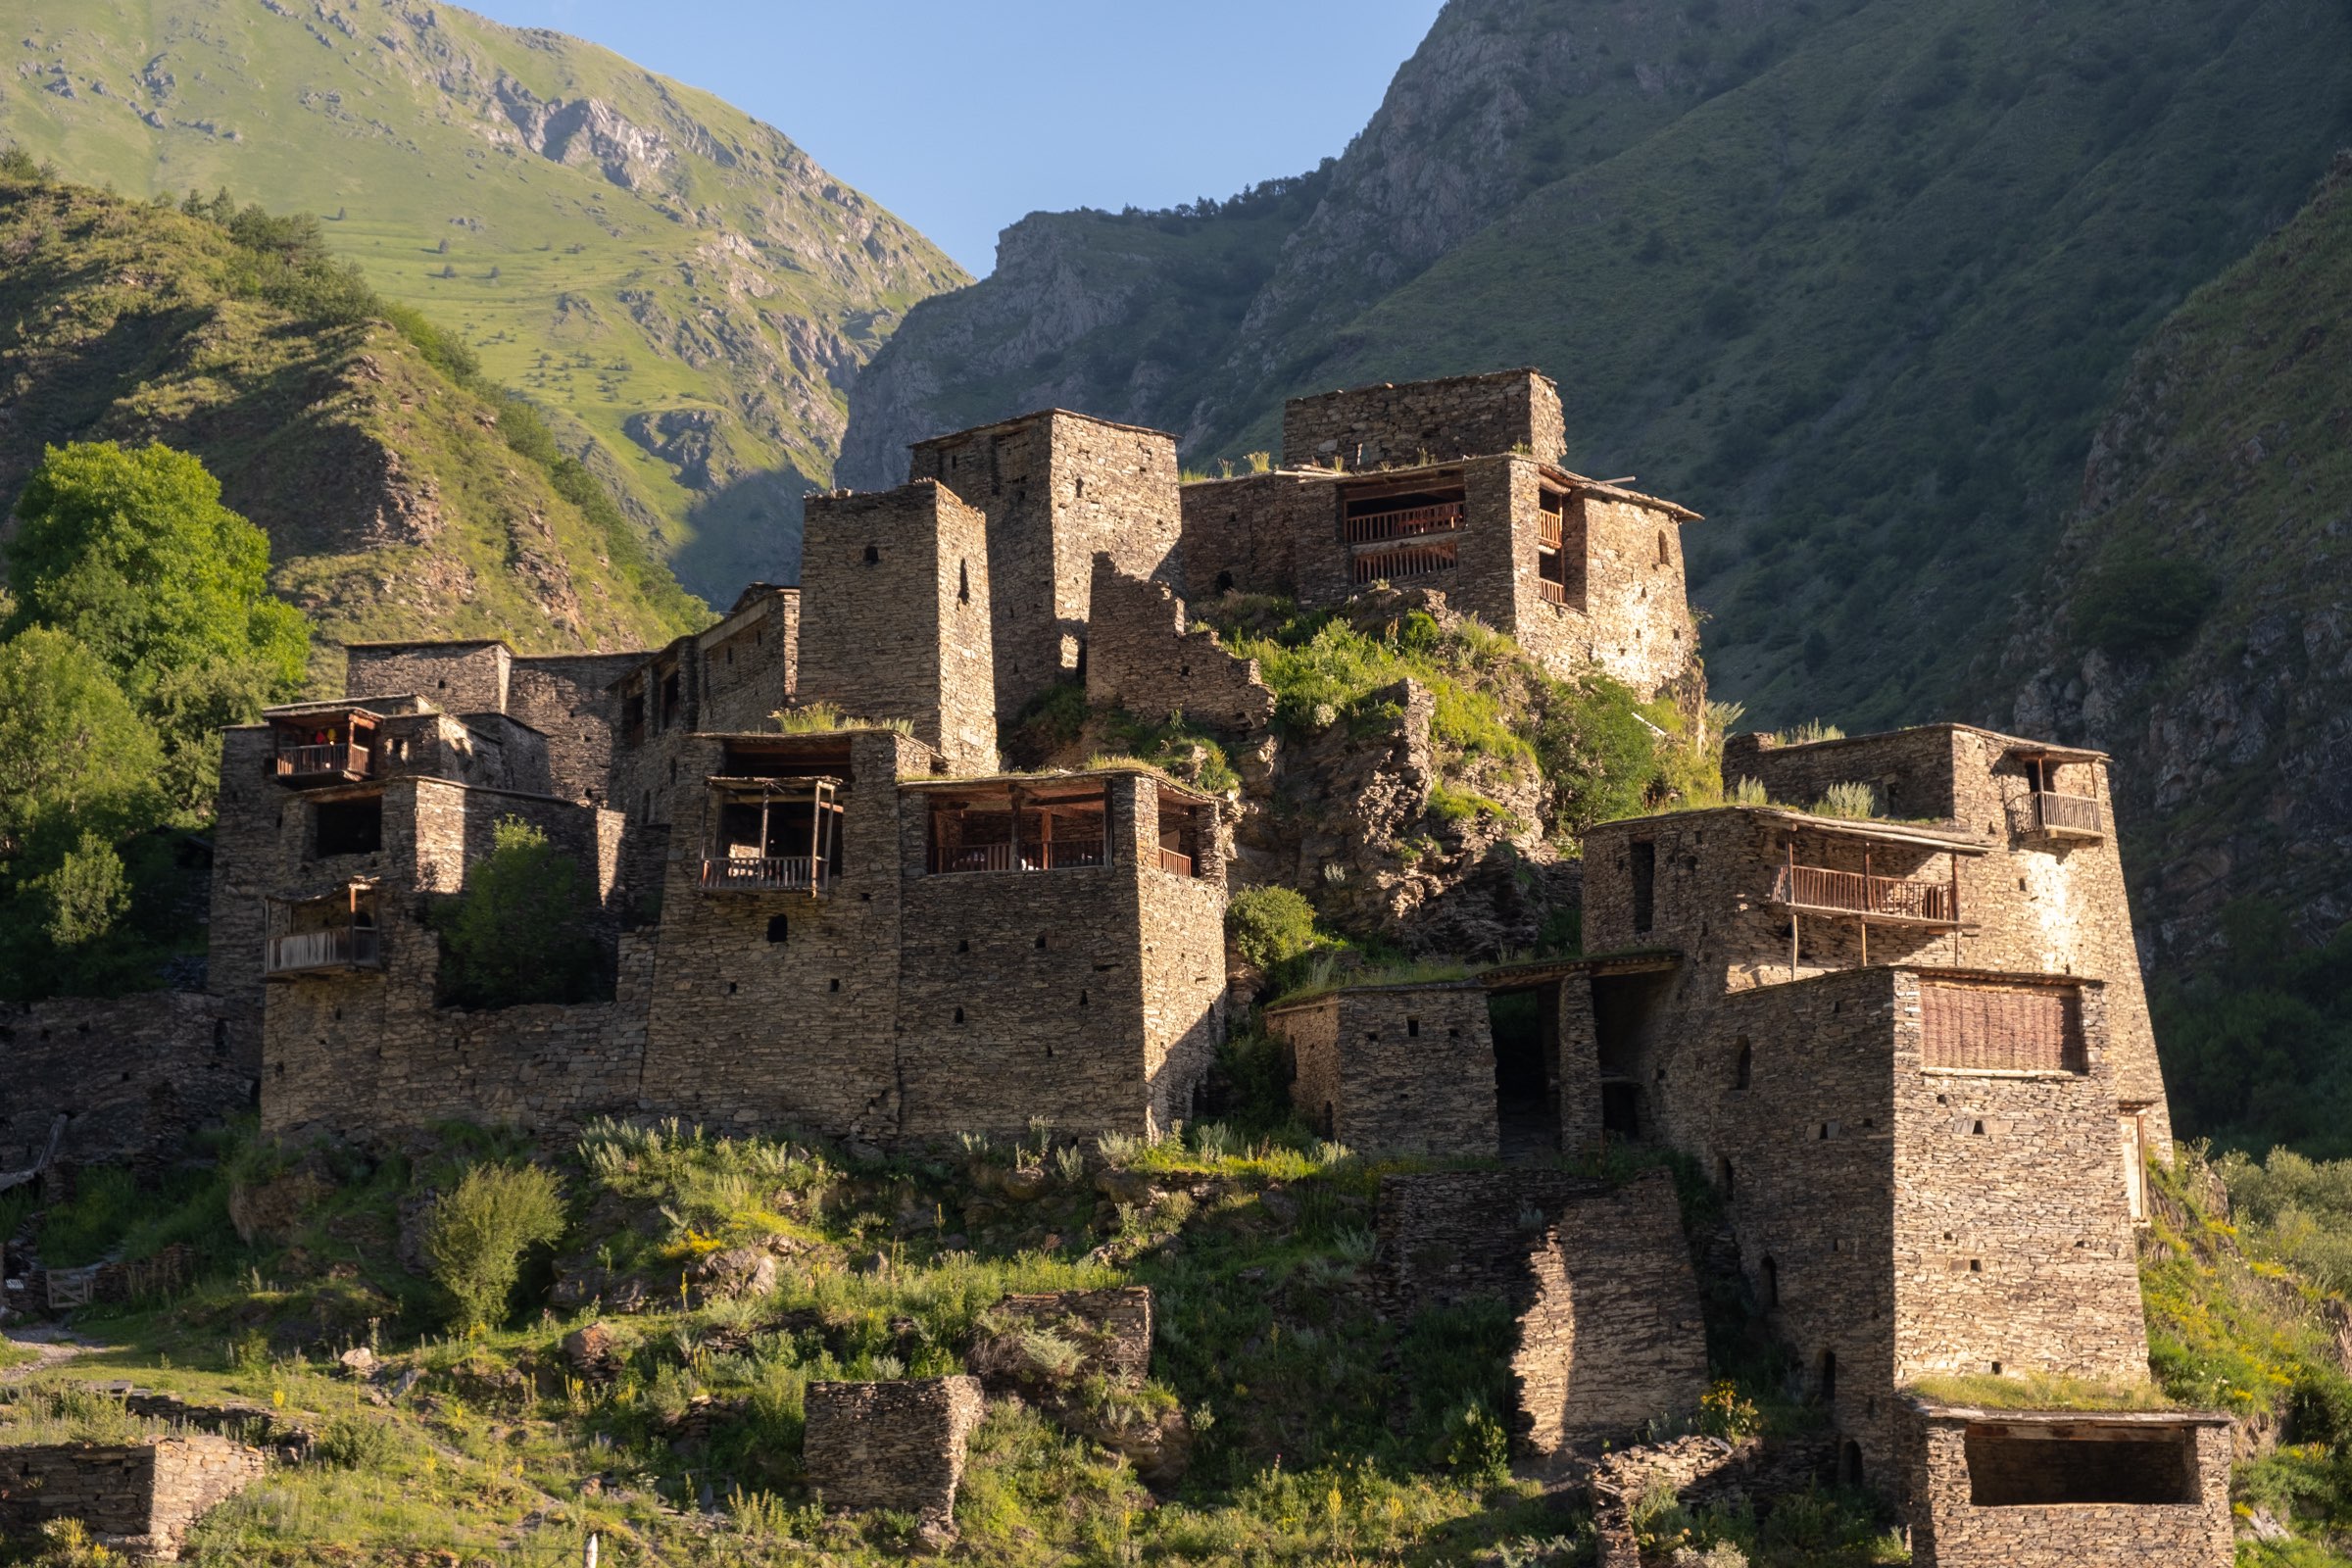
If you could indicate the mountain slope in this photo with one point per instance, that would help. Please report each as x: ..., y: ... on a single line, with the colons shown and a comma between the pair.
x: 2193, y: 618
x: 679, y: 284
x: 395, y: 503
x: 1852, y: 279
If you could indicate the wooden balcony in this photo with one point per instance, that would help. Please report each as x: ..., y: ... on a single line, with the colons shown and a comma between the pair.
x: 2066, y: 816
x: 314, y: 952
x: 1883, y: 900
x: 1556, y: 593
x: 339, y: 764
x: 1056, y: 855
x: 1175, y: 865
x: 1406, y: 561
x: 771, y: 873
x: 1402, y: 523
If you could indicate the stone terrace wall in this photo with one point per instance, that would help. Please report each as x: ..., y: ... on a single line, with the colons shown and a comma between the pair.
x: 457, y: 677
x: 897, y: 1446
x: 1111, y: 1327
x: 566, y: 698
x: 1609, y: 1329
x: 132, y: 1074
x: 897, y: 587
x: 140, y: 1498
x: 1463, y: 415
x: 1141, y: 656
x: 1949, y: 1531
x: 1406, y: 1069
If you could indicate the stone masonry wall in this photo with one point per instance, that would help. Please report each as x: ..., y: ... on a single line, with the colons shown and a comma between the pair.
x: 1396, y: 1068
x: 568, y: 697
x: 139, y: 1499
x: 2057, y: 906
x: 751, y: 663
x: 899, y: 586
x: 1611, y: 1336
x: 2013, y: 1239
x: 455, y: 678
x: 1141, y: 656
x: 1242, y: 535
x: 1056, y: 488
x: 1421, y: 422
x: 1948, y: 1530
x: 896, y: 1445
x: 132, y: 1075
x: 770, y: 1008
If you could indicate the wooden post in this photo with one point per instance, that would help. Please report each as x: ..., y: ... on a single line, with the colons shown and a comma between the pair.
x: 1792, y: 914
x: 1863, y: 920
x: 1955, y: 860
x: 1014, y: 798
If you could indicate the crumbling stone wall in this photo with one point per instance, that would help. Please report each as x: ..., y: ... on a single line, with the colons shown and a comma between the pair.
x: 1056, y: 488
x: 132, y: 1075
x: 1611, y: 1336
x: 1243, y: 534
x: 139, y: 1499
x: 899, y: 584
x: 896, y: 1445
x: 1399, y: 1069
x: 1422, y: 421
x: 1111, y: 1327
x: 2112, y: 1454
x: 1141, y: 655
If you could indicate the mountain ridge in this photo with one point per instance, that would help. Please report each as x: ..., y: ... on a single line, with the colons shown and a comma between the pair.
x: 621, y: 248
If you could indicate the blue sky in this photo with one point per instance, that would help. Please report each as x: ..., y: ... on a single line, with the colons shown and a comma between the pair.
x: 960, y: 115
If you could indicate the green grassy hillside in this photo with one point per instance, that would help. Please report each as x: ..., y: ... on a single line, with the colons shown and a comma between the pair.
x: 1854, y: 279
x: 678, y: 284
x: 403, y: 497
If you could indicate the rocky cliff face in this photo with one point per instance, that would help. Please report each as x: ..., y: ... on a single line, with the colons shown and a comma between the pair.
x: 1854, y: 281
x: 2195, y: 619
x: 631, y: 252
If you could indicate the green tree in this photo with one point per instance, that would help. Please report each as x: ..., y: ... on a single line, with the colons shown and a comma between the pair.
x: 133, y: 554
x: 78, y: 774
x: 520, y: 933
x: 480, y: 1230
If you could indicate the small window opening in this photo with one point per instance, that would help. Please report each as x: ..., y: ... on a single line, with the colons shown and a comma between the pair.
x: 1976, y: 1129
x: 1828, y: 1377
x: 873, y: 555
x: 1082, y: 999
x: 779, y: 929
x: 1224, y: 582
x: 832, y: 985
x: 1849, y: 1464
x: 959, y: 1015
x: 1412, y: 1028
x: 1976, y: 1266
x: 1041, y: 939
x: 1724, y: 1178
x: 1665, y: 551
x: 1743, y: 1065
x: 731, y: 988
x: 964, y: 944
x: 1768, y: 1280
x: 963, y: 584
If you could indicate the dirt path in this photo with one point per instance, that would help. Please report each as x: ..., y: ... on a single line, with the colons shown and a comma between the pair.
x: 50, y: 1348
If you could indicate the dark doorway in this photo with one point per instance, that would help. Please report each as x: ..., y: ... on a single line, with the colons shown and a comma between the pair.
x: 1526, y: 1099
x: 1621, y: 1111
x: 2023, y: 1468
x: 350, y: 827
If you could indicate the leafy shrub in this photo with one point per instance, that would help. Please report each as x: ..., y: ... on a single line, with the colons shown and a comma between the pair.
x: 479, y: 1231
x: 2142, y: 607
x: 1847, y: 798
x: 520, y: 932
x: 357, y: 1443
x: 1270, y: 925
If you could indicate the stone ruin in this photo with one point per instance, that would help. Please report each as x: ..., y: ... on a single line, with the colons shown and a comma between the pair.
x: 896, y: 1445
x: 136, y: 1499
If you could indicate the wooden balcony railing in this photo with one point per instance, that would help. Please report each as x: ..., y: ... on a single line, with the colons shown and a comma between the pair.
x: 348, y: 947
x: 1896, y: 900
x: 1056, y: 854
x: 1550, y: 533
x: 1554, y: 592
x: 1175, y: 864
x: 342, y: 760
x: 771, y: 873
x: 2067, y: 815
x: 1402, y: 523
x: 1409, y: 561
